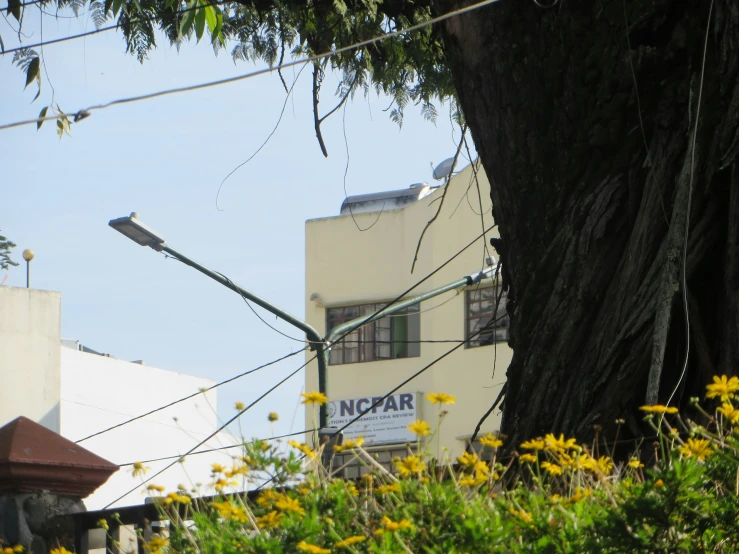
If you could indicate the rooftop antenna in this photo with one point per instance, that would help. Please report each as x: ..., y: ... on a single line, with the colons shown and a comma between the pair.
x: 444, y: 169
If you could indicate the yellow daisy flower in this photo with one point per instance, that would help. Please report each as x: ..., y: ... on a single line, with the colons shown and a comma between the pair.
x: 723, y: 387
x: 287, y: 504
x: 410, y: 465
x: 533, y: 444
x: 559, y: 444
x: 138, y: 469
x: 270, y: 520
x: 349, y: 444
x: 420, y: 428
x: 491, y: 441
x: 552, y: 469
x: 441, y: 398
x: 384, y: 489
x: 468, y: 460
x: 729, y: 411
x: 349, y: 541
x: 314, y: 397
x: 391, y: 525
x: 696, y: 448
x: 659, y: 409
x: 304, y: 448
x: 312, y: 548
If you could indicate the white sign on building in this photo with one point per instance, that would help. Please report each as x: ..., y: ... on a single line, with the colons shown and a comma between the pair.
x: 386, y: 423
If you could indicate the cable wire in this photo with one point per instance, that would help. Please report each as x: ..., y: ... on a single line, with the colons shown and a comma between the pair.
x: 240, y: 445
x: 234, y: 287
x: 419, y: 372
x: 116, y: 426
x: 214, y: 433
x: 82, y: 113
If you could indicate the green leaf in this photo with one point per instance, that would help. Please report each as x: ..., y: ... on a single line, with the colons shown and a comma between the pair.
x: 59, y: 128
x: 14, y: 9
x: 199, y: 23
x: 32, y: 73
x: 41, y: 114
x: 188, y: 19
x: 66, y: 125
x: 117, y: 4
x: 211, y: 19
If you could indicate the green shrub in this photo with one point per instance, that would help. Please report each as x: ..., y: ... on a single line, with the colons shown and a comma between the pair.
x: 554, y: 496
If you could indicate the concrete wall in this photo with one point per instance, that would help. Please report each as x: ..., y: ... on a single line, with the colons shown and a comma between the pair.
x: 30, y: 323
x: 346, y: 266
x: 98, y: 392
x: 76, y: 394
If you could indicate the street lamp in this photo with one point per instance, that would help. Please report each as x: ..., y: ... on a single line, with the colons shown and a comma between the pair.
x: 134, y: 229
x: 141, y: 234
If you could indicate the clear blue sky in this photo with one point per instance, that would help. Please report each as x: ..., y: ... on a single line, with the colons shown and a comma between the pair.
x: 165, y: 159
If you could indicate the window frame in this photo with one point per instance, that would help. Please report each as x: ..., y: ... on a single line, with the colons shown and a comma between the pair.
x: 495, y: 329
x: 369, y: 350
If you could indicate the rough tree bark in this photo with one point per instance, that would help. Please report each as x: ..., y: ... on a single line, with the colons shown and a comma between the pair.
x: 583, y: 116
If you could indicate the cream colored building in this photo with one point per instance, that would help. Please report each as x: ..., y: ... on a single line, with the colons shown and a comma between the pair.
x: 361, y: 259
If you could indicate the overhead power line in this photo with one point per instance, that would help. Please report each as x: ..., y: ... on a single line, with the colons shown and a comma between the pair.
x: 82, y: 113
x: 220, y: 448
x: 403, y: 294
x: 214, y: 433
x: 416, y: 374
x: 117, y: 425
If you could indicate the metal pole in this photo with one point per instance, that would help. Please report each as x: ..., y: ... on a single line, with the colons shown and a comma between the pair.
x: 28, y: 255
x: 316, y: 342
x: 312, y: 334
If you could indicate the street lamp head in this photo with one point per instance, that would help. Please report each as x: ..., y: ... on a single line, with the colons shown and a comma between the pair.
x: 28, y: 254
x: 132, y: 228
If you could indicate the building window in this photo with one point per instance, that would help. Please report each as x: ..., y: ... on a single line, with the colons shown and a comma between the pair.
x: 393, y: 336
x: 351, y: 466
x: 481, y: 315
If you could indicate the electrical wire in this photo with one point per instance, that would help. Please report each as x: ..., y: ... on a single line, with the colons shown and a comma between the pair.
x: 58, y: 40
x: 214, y: 433
x: 234, y: 287
x: 293, y: 353
x: 245, y: 373
x: 412, y: 377
x: 240, y: 445
x: 417, y: 284
x: 82, y: 113
x: 684, y: 276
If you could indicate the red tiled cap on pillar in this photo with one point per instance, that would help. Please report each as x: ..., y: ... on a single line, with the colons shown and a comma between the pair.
x: 33, y: 458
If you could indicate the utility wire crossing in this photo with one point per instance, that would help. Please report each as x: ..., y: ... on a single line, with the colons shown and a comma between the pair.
x: 220, y: 448
x: 214, y: 433
x: 343, y: 336
x: 82, y: 113
x: 193, y: 395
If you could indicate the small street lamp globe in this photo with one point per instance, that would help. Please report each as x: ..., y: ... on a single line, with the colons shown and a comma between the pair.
x: 28, y: 254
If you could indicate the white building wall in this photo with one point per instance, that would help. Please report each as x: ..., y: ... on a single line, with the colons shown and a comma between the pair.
x: 98, y: 392
x: 29, y: 355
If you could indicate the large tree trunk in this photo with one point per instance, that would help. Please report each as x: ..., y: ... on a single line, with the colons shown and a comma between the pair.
x: 586, y: 132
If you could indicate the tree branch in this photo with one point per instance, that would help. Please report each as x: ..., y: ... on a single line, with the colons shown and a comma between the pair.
x: 443, y: 196
x: 316, y: 121
x: 670, y: 284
